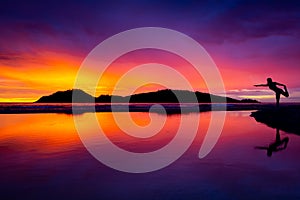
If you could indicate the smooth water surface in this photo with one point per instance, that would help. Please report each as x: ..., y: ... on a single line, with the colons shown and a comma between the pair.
x: 42, y: 157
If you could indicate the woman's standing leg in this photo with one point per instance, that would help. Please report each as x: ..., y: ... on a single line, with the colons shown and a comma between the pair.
x: 277, y: 99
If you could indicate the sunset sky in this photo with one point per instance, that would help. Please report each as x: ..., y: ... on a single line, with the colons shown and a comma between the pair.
x: 43, y: 43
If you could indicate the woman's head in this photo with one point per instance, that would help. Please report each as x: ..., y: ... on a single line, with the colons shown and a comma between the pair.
x: 269, y: 80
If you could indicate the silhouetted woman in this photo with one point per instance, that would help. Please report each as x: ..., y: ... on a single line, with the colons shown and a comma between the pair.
x: 278, y: 91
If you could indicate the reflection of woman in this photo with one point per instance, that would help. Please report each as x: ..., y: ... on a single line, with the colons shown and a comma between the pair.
x: 278, y: 91
x: 277, y: 145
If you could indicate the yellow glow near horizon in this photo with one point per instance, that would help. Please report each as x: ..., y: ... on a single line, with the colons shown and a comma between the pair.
x: 17, y: 100
x: 29, y: 79
x: 257, y: 96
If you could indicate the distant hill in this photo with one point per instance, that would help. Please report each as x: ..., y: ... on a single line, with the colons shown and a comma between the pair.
x: 161, y: 96
x: 167, y: 96
x: 66, y: 97
x: 249, y: 101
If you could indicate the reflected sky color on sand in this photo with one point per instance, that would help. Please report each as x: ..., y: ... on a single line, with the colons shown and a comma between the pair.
x: 43, y: 157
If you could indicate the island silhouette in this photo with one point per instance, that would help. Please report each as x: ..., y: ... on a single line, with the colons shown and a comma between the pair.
x: 160, y: 96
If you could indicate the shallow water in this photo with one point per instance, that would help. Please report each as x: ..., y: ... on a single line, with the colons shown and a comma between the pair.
x: 42, y: 157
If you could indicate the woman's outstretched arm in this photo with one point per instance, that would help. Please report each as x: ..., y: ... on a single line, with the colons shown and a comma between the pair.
x: 261, y: 85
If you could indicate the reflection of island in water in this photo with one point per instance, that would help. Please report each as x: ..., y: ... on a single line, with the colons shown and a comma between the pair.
x: 285, y: 118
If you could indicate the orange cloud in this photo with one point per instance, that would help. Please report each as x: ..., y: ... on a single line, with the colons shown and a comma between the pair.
x: 28, y: 80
